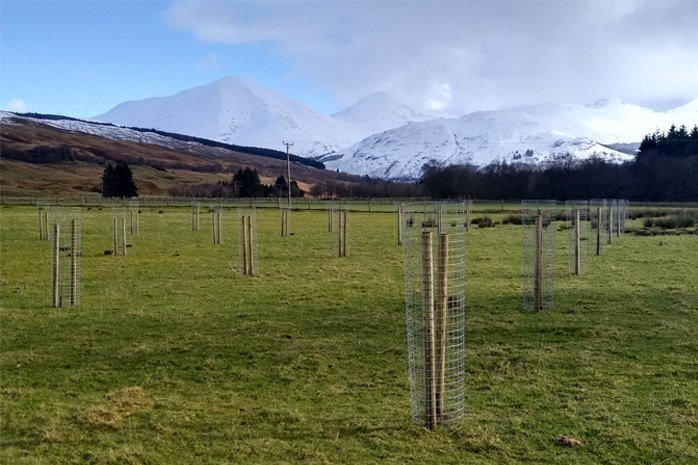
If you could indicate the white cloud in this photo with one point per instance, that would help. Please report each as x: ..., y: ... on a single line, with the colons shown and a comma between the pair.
x: 468, y: 55
x: 17, y: 104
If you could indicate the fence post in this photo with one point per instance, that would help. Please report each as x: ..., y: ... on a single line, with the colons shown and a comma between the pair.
x: 429, y: 330
x: 441, y: 321
x: 55, y: 255
x: 73, y: 261
x: 538, y: 269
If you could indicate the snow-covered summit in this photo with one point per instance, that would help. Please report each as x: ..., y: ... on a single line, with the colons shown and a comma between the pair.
x: 236, y: 111
x: 378, y: 112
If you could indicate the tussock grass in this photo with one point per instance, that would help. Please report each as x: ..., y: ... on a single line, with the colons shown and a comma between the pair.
x: 175, y: 358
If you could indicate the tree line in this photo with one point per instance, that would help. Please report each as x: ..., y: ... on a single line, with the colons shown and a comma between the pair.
x: 664, y: 169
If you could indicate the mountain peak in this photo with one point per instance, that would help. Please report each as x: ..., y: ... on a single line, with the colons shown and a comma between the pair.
x: 379, y: 112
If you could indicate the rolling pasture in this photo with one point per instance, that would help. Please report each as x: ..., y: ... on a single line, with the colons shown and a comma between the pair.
x: 174, y: 357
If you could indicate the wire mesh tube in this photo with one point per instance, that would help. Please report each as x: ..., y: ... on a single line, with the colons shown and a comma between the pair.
x: 538, y: 253
x: 64, y: 235
x: 433, y: 244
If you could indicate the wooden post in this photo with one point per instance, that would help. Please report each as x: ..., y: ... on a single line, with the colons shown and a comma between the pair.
x: 399, y: 225
x: 577, y: 243
x: 250, y: 246
x: 245, y: 256
x: 73, y: 262
x: 45, y: 226
x: 330, y: 220
x: 219, y: 225
x: 123, y: 235
x: 340, y: 245
x: 538, y: 265
x: 619, y: 228
x: 468, y: 206
x: 610, y: 224
x: 195, y: 217
x: 441, y: 322
x: 284, y: 223
x: 429, y: 332
x: 599, y: 227
x: 115, y: 236
x: 55, y: 254
x: 214, y: 234
x: 41, y: 224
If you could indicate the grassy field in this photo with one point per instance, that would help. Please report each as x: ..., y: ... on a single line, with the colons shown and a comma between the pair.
x: 173, y: 357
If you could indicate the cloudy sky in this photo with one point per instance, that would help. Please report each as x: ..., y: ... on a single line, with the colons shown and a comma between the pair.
x: 82, y: 58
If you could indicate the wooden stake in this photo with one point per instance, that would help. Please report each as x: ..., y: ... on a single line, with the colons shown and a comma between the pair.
x: 577, y: 243
x: 123, y: 235
x: 55, y: 252
x: 245, y: 257
x: 441, y: 322
x: 73, y: 262
x: 214, y: 233
x: 599, y: 227
x: 429, y: 332
x: 114, y: 236
x: 330, y: 220
x: 219, y: 225
x: 538, y: 266
x: 250, y: 253
x: 610, y: 224
x: 399, y: 225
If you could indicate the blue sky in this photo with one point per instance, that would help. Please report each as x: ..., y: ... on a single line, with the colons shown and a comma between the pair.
x: 83, y: 58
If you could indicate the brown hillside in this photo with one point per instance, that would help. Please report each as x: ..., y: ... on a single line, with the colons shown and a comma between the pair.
x: 156, y: 169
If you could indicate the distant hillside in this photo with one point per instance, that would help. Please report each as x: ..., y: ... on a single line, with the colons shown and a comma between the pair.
x: 262, y: 152
x: 53, y: 155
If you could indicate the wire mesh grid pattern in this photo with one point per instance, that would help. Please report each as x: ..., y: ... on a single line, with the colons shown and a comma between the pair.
x: 577, y: 214
x: 538, y: 253
x: 119, y: 218
x: 598, y: 211
x: 216, y: 212
x: 64, y: 225
x: 248, y: 262
x: 134, y: 216
x: 331, y: 215
x: 343, y: 224
x: 434, y: 260
x: 285, y: 212
x: 195, y: 216
x: 42, y: 210
x: 622, y: 216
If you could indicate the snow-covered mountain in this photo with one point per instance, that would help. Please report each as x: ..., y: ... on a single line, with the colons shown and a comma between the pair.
x: 237, y: 111
x: 377, y: 113
x: 525, y: 134
x: 383, y: 137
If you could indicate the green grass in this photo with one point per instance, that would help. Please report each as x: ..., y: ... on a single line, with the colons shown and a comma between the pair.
x: 175, y: 358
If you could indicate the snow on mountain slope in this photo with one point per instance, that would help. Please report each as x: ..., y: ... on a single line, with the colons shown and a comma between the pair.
x: 477, y: 138
x: 525, y: 134
x: 378, y: 112
x: 236, y: 111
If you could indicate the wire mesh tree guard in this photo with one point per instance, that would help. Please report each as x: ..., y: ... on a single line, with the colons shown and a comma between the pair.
x: 64, y: 225
x: 434, y: 259
x: 119, y: 216
x: 195, y: 216
x: 622, y: 216
x: 343, y: 232
x: 216, y: 212
x: 42, y: 210
x: 577, y: 214
x: 248, y: 263
x: 134, y: 217
x: 285, y: 220
x: 538, y: 253
x: 599, y: 222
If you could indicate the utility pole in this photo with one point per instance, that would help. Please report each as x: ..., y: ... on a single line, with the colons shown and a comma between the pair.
x: 288, y: 170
